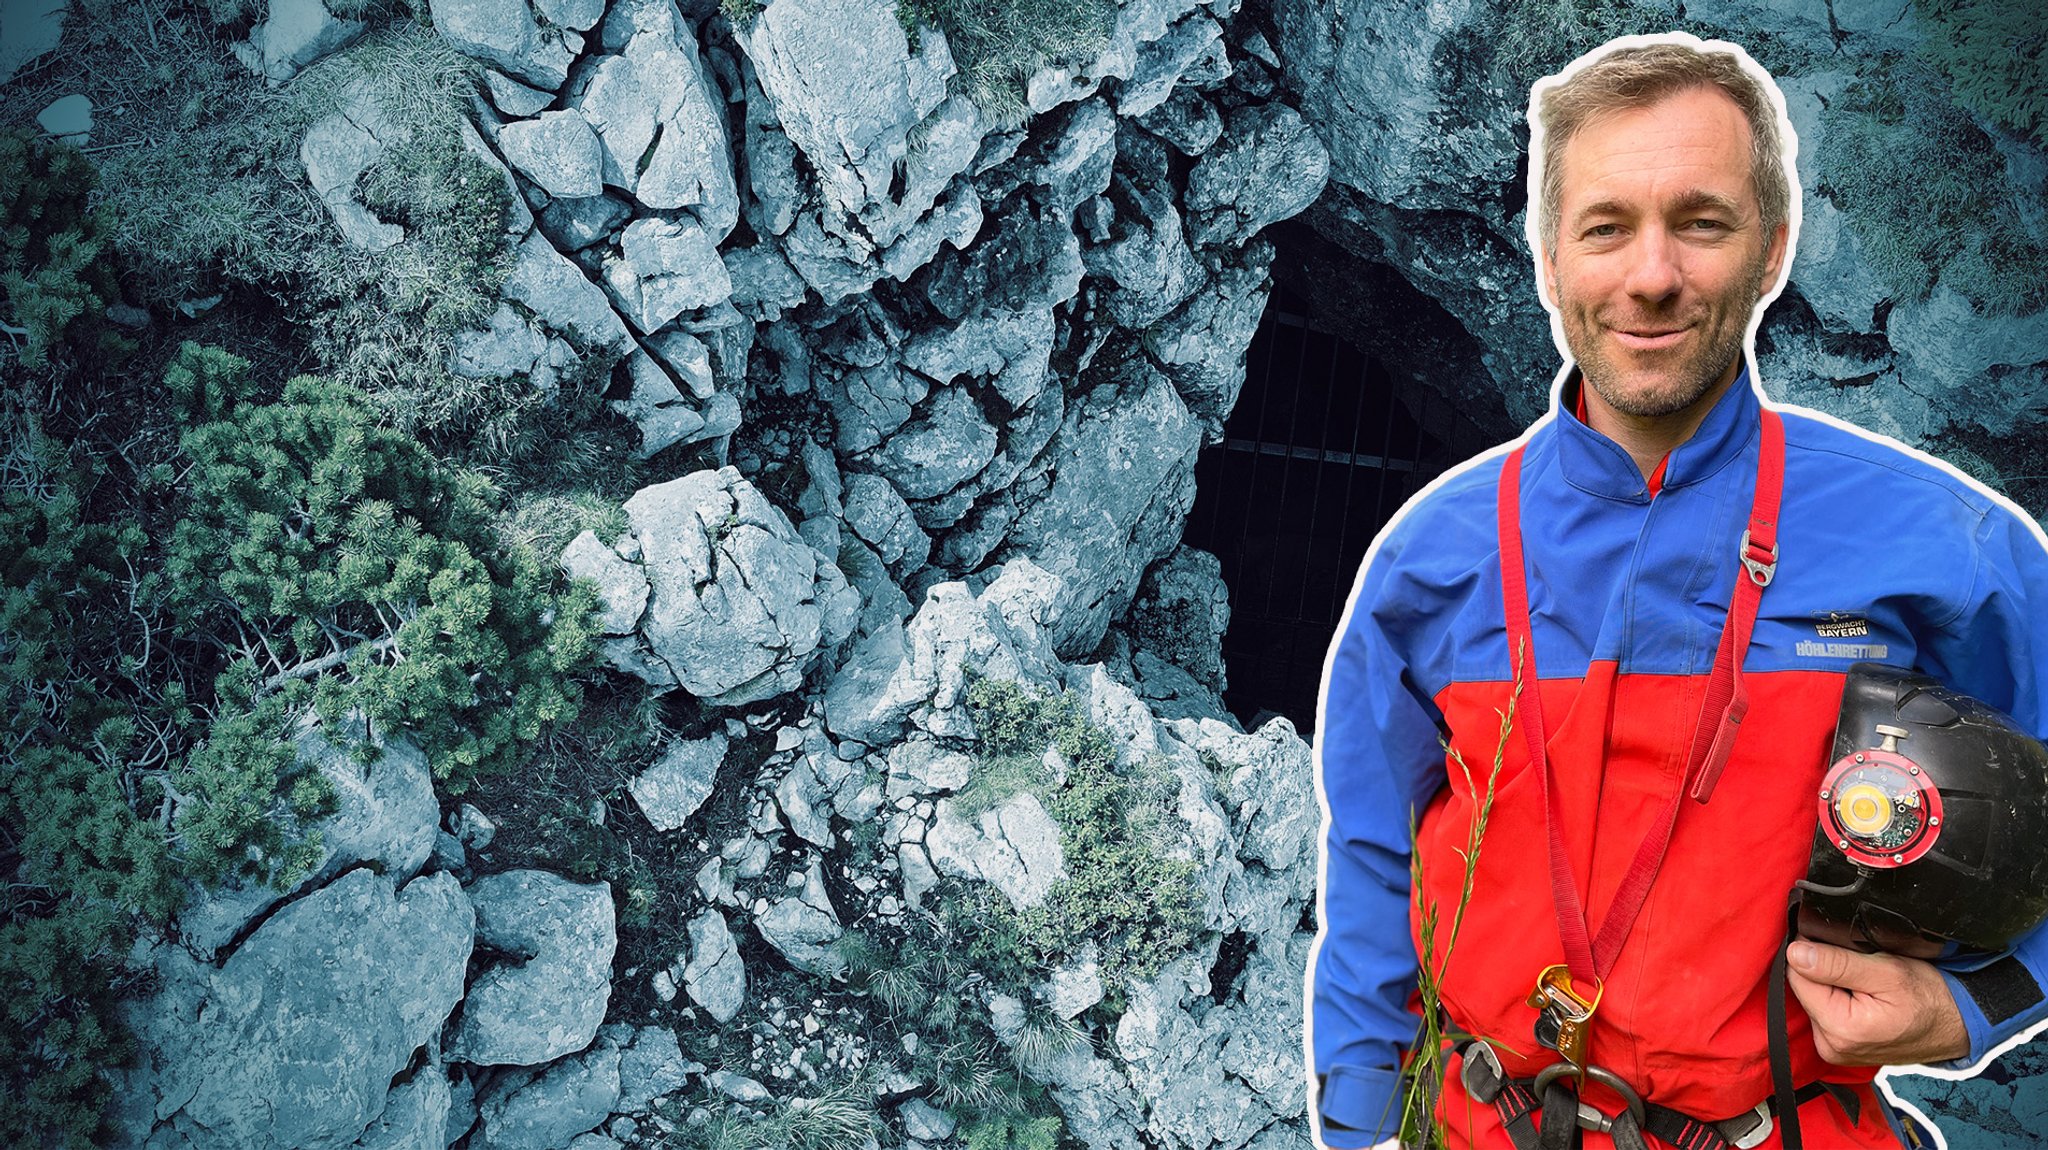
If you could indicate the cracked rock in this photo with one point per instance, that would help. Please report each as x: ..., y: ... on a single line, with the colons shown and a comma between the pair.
x: 556, y: 150
x: 385, y: 813
x: 715, y: 977
x: 804, y: 926
x: 294, y: 1041
x: 663, y: 129
x: 664, y: 269
x: 671, y: 790
x: 504, y: 34
x: 657, y: 406
x: 1268, y: 166
x: 1014, y: 847
x: 740, y: 603
x: 506, y: 346
x: 337, y: 149
x: 561, y: 296
x: 550, y: 1004
x: 621, y: 586
x: 570, y: 1097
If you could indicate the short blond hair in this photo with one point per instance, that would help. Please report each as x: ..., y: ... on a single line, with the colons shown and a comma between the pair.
x: 1639, y: 76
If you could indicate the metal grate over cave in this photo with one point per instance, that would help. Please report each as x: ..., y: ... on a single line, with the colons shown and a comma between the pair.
x: 1321, y: 450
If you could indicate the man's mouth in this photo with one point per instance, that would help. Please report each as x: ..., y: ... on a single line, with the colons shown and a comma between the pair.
x: 1649, y: 338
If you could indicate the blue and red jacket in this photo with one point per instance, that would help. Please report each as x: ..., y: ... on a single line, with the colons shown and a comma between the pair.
x: 1885, y: 555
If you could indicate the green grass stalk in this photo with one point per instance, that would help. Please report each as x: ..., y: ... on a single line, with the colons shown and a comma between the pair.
x: 1421, y: 1128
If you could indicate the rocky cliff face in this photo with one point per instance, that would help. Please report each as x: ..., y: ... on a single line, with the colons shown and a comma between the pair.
x: 931, y: 373
x: 937, y: 369
x: 1916, y: 301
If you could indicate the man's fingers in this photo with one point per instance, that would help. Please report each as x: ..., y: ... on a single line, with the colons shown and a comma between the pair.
x: 1837, y: 966
x: 1817, y: 998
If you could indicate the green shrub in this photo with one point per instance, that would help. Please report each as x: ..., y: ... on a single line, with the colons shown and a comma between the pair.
x: 352, y: 560
x: 52, y: 273
x: 1012, y: 1132
x: 1991, y: 52
x: 1139, y: 906
x: 205, y: 383
x: 162, y: 637
x: 87, y: 729
x: 1923, y: 187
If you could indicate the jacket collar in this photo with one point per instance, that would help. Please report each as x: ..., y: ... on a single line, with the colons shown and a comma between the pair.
x: 1597, y: 465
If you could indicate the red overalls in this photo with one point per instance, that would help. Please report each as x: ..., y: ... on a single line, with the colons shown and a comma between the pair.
x: 1683, y: 1018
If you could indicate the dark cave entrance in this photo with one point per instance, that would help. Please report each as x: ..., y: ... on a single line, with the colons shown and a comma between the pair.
x: 1321, y: 450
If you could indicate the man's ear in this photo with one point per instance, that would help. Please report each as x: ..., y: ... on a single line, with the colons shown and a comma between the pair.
x: 1546, y: 276
x: 1774, y: 257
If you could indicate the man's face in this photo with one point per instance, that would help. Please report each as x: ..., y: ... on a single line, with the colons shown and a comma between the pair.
x: 1660, y: 252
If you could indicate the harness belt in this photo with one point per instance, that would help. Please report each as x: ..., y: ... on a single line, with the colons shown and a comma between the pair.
x: 1544, y: 1113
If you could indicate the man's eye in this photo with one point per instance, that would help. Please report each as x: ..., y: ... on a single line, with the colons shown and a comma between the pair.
x: 1705, y: 225
x: 1603, y: 231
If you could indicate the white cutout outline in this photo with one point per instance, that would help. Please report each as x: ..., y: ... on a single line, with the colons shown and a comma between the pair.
x: 1788, y: 152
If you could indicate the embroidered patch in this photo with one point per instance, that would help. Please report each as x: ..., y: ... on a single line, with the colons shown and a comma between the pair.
x: 1838, y: 625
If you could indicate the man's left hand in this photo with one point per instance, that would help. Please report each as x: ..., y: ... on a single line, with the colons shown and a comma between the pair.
x: 1875, y: 1009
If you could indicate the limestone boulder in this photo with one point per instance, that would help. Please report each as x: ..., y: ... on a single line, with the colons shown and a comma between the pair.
x: 1267, y: 167
x: 662, y: 127
x: 295, y: 1039
x: 416, y: 1114
x: 561, y: 296
x: 506, y: 346
x: 1014, y: 847
x: 1122, y: 483
x: 803, y: 926
x: 295, y: 33
x: 548, y: 996
x: 505, y: 34
x: 739, y: 603
x: 664, y: 268
x: 621, y: 584
x: 715, y: 976
x: 846, y: 89
x: 336, y: 150
x: 549, y: 1109
x: 385, y: 813
x: 556, y: 150
x: 671, y: 790
x: 918, y: 673
x: 1182, y: 611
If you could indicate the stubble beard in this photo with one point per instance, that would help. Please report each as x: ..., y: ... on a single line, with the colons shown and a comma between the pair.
x: 1653, y: 392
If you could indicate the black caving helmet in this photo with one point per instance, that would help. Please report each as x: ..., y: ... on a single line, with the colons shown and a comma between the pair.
x: 1933, y: 832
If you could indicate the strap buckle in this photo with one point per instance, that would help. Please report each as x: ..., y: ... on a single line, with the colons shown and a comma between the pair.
x: 1761, y: 570
x: 1481, y: 1072
x: 1748, y: 1128
x: 1590, y: 1116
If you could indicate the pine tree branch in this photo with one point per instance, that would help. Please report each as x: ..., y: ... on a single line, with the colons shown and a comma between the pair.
x: 326, y: 662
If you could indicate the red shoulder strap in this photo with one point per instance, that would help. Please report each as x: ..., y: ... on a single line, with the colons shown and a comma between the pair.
x: 1721, y: 711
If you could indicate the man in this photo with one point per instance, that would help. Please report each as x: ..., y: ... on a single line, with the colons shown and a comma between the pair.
x: 1640, y: 867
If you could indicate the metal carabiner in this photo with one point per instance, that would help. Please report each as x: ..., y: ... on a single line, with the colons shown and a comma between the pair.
x: 1592, y: 1117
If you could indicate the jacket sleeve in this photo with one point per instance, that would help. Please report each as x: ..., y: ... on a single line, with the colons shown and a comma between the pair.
x: 1378, y: 761
x: 1996, y: 650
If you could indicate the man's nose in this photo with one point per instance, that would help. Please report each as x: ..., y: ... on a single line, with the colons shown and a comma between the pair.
x: 1654, y: 274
